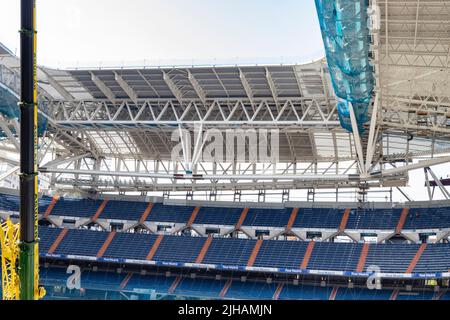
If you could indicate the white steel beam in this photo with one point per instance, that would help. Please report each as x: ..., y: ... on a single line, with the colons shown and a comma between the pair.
x: 103, y: 88
x: 371, y: 144
x: 126, y: 87
x: 58, y: 87
x: 9, y: 172
x: 173, y: 87
x: 13, y: 139
x: 414, y: 166
x: 357, y: 139
x: 318, y: 177
x: 439, y: 183
x: 247, y: 87
x: 273, y: 87
x: 198, y: 89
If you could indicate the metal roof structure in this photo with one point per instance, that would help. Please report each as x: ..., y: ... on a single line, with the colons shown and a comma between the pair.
x: 110, y: 129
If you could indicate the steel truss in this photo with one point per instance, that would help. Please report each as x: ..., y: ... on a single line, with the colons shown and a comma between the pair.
x: 297, y: 113
x: 155, y: 175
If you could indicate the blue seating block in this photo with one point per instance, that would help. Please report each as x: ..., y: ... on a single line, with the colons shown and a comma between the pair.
x: 130, y: 246
x: 230, y: 251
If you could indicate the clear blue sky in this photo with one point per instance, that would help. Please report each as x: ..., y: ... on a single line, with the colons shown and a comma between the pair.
x: 169, y: 31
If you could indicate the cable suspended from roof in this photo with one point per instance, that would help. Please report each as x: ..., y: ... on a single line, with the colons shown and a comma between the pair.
x: 345, y: 32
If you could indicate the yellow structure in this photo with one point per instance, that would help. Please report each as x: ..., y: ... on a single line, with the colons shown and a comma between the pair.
x: 9, y: 238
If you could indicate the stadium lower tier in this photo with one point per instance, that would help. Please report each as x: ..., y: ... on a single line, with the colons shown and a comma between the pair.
x: 107, y: 284
x: 273, y: 256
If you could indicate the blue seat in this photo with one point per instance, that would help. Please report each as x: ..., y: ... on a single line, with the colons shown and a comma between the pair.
x: 82, y: 208
x: 218, y: 216
x: 281, y: 254
x: 335, y: 256
x: 9, y: 202
x: 375, y: 219
x: 47, y: 236
x: 391, y: 257
x: 82, y: 242
x: 318, y: 218
x: 206, y: 288
x: 230, y: 251
x: 435, y: 258
x: 179, y: 249
x: 130, y: 246
x: 251, y: 290
x: 174, y: 214
x: 267, y: 217
x: 123, y: 210
x: 428, y: 218
x: 362, y: 294
x: 304, y: 292
x: 159, y: 284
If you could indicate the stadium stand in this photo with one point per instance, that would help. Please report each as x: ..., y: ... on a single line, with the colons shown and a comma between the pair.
x: 228, y: 252
x: 210, y: 288
x: 82, y: 208
x: 163, y: 213
x: 306, y: 218
x: 326, y: 256
x: 130, y: 246
x: 218, y: 216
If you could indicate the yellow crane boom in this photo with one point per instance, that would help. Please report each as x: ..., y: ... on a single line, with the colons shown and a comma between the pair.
x: 9, y: 239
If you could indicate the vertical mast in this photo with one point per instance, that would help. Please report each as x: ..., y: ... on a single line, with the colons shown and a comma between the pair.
x: 29, y: 257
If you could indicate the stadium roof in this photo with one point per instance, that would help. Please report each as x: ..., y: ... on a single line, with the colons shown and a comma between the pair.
x: 119, y: 121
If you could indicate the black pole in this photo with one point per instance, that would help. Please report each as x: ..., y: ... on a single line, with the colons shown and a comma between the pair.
x: 29, y: 257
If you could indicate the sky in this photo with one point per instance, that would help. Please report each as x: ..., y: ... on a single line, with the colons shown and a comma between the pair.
x: 168, y: 32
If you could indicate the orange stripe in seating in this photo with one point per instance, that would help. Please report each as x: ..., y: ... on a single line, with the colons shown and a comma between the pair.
x: 205, y: 248
x: 58, y: 240
x: 225, y: 288
x: 242, y: 218
x: 439, y: 295
x: 146, y: 213
x: 333, y: 293
x: 255, y: 251
x: 344, y: 220
x: 307, y: 256
x: 292, y: 219
x: 401, y: 221
x: 193, y: 216
x: 105, y: 245
x: 416, y: 258
x: 99, y: 210
x: 394, y: 294
x: 155, y: 247
x: 362, y: 258
x: 175, y: 284
x: 276, y: 295
x: 124, y: 283
x: 49, y: 209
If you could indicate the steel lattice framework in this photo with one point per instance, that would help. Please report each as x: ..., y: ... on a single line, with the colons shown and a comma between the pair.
x: 110, y: 129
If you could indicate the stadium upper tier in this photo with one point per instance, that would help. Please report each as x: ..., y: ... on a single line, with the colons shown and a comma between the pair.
x: 409, y: 221
x: 274, y: 256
